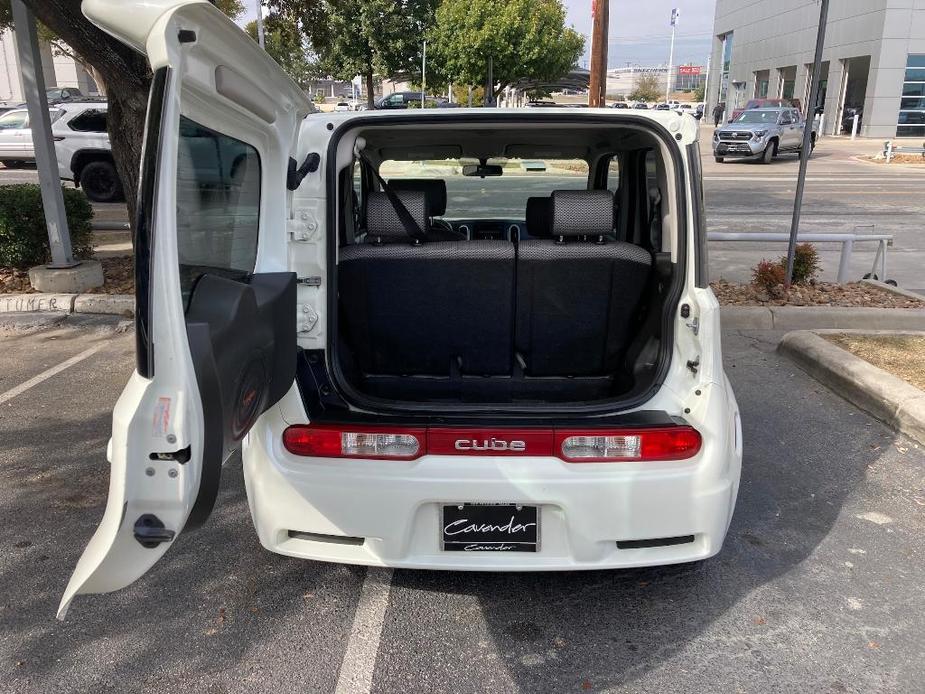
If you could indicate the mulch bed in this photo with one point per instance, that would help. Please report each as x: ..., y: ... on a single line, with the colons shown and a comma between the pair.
x: 898, y: 159
x: 815, y: 294
x: 118, y: 273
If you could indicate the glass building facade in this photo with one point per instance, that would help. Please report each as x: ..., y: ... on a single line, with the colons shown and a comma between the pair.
x: 911, y: 121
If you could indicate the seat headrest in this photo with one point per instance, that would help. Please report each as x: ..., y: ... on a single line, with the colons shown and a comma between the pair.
x: 539, y: 217
x: 433, y: 188
x: 382, y: 221
x: 582, y: 212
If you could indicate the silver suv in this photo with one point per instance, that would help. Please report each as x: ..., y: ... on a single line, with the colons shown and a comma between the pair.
x: 762, y: 133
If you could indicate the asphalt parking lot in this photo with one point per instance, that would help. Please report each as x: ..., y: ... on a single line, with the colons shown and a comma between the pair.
x: 817, y: 589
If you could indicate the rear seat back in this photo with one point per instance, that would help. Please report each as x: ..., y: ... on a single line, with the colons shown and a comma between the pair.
x: 577, y: 296
x: 437, y: 308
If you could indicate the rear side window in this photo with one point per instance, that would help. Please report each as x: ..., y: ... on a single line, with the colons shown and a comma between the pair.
x: 218, y: 205
x: 90, y: 121
x: 14, y: 120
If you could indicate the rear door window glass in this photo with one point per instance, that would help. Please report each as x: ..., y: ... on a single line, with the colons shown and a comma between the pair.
x: 218, y: 205
x: 90, y: 121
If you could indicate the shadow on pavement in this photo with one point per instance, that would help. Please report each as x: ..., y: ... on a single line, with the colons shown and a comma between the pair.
x: 607, y: 629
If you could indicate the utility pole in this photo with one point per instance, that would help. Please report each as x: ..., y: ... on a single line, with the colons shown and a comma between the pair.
x: 674, y: 23
x: 261, y: 39
x: 807, y: 142
x: 600, y: 32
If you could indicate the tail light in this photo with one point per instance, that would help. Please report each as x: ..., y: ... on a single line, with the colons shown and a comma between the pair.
x: 572, y: 446
x: 658, y: 443
x: 378, y: 443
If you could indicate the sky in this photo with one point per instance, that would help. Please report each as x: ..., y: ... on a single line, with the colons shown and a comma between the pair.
x: 640, y: 30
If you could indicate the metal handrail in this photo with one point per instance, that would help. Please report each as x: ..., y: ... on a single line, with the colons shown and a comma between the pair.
x: 889, y: 149
x: 847, y: 242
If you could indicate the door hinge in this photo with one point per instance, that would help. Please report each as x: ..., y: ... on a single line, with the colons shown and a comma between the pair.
x: 149, y: 530
x: 309, y: 281
x: 694, y: 364
x: 182, y: 456
x: 694, y: 325
x: 302, y: 226
x: 307, y: 318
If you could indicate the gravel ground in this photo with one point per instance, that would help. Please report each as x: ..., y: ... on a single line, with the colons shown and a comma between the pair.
x: 817, y: 294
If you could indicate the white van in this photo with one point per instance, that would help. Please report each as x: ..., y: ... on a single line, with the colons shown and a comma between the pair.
x: 430, y: 355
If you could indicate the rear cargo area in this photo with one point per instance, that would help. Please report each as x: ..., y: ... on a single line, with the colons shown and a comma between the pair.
x: 520, y: 270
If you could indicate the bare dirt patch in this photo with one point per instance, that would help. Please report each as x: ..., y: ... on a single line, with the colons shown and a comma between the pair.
x: 900, y: 355
x: 854, y: 294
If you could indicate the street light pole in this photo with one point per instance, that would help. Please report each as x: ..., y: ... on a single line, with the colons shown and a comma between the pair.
x: 423, y: 73
x: 807, y: 142
x: 674, y: 21
x: 33, y: 81
x: 260, y: 36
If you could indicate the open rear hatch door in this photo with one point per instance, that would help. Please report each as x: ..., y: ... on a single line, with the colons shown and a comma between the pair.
x: 216, y: 307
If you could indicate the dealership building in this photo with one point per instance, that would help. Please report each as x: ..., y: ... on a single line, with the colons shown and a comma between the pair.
x: 873, y: 60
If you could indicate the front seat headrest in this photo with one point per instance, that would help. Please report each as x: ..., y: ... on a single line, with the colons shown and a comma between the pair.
x: 582, y: 212
x: 539, y: 217
x: 383, y: 222
x: 433, y: 188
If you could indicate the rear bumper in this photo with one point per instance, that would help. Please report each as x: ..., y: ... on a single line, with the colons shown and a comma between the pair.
x: 393, y: 507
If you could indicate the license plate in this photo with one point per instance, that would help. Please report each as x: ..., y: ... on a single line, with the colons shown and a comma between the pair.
x: 490, y: 528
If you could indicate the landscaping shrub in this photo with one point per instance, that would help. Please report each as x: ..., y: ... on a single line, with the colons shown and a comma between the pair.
x: 805, y: 263
x: 23, y: 235
x: 768, y: 274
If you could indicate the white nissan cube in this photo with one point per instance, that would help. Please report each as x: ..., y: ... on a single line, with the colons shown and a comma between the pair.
x: 464, y: 339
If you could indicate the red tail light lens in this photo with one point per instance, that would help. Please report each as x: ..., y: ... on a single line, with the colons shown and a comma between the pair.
x: 625, y: 445
x: 377, y: 443
x: 572, y: 446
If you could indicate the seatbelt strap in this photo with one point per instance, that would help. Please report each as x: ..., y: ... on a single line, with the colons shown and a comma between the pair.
x: 655, y: 218
x: 407, y: 221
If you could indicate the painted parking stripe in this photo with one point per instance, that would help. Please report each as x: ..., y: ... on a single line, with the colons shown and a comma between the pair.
x: 45, y: 375
x: 356, y: 670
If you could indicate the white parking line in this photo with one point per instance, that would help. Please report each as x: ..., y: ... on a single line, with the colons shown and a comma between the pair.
x: 45, y: 375
x: 356, y: 670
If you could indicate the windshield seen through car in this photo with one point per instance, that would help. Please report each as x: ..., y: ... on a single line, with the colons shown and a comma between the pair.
x: 494, y: 197
x: 758, y: 117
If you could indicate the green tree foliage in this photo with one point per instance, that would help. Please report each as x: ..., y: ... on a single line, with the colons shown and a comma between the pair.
x: 286, y: 44
x: 647, y: 88
x: 698, y: 93
x: 363, y: 37
x: 526, y: 39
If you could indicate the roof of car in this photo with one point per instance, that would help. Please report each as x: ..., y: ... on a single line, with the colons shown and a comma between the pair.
x: 664, y: 118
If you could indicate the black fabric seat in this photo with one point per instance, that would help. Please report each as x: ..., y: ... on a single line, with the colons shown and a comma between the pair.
x: 577, y: 295
x: 539, y: 217
x: 434, y: 308
x: 434, y: 190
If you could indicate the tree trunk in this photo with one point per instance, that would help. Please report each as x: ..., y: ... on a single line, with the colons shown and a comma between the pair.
x: 370, y: 87
x: 125, y: 74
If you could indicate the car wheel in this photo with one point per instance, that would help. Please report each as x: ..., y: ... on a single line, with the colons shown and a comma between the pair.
x: 719, y: 160
x: 768, y: 154
x: 101, y: 182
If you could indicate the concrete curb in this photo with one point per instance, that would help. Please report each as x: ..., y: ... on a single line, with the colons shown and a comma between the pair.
x: 114, y: 304
x: 821, y: 317
x: 894, y: 290
x: 887, y: 397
